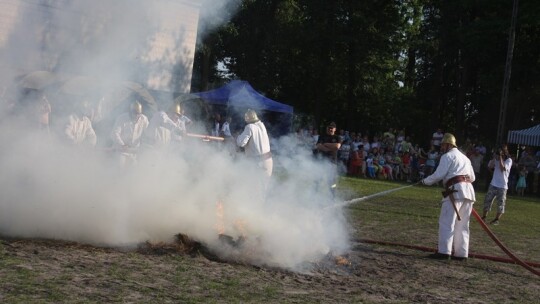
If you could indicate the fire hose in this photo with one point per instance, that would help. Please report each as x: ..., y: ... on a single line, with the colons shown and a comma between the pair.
x: 431, y: 249
x: 205, y: 137
x: 501, y: 245
x: 513, y: 258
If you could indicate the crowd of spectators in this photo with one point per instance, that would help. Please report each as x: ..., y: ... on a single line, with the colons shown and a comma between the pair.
x: 393, y: 155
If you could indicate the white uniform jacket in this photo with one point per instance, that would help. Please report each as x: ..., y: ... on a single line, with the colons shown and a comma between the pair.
x: 454, y: 163
x: 79, y: 130
x: 129, y: 132
x: 162, y: 129
x: 254, y: 139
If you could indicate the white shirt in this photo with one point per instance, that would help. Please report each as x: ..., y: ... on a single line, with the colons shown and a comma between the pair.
x: 162, y: 129
x: 216, y: 129
x: 454, y: 163
x: 367, y: 146
x: 436, y: 138
x: 127, y: 131
x: 500, y: 178
x: 254, y: 139
x: 225, y: 129
x: 79, y: 130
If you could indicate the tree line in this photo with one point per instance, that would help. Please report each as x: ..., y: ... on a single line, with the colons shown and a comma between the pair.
x: 371, y: 65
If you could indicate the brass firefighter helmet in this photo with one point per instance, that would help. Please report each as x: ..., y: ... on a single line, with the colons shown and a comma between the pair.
x: 448, y: 138
x: 136, y: 107
x: 175, y: 108
x: 251, y: 116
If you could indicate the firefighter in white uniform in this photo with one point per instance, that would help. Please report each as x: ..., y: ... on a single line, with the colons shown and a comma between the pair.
x: 457, y: 174
x: 254, y: 139
x: 166, y: 127
x: 78, y: 130
x: 127, y: 132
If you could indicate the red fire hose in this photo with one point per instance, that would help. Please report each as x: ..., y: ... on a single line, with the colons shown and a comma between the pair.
x: 501, y: 245
x: 513, y: 258
x: 429, y: 249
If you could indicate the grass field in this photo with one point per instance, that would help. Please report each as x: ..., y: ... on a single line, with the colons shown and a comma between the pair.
x: 53, y: 271
x: 411, y: 216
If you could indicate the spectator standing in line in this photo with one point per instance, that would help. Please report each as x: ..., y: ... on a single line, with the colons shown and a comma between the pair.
x: 431, y: 162
x: 399, y: 139
x: 528, y: 160
x: 457, y: 174
x: 366, y: 144
x: 501, y: 165
x: 344, y: 155
x: 229, y: 144
x: 396, y: 167
x: 327, y: 146
x: 375, y: 143
x: 356, y: 162
x: 476, y: 161
x: 226, y: 128
x: 406, y: 166
x: 436, y: 139
x: 481, y: 148
x: 522, y: 181
x: 406, y: 145
x: 357, y: 142
x: 216, y: 125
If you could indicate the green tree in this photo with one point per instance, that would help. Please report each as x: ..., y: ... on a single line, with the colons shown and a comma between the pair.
x: 370, y: 65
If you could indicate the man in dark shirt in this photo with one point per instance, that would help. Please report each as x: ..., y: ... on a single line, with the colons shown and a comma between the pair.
x: 328, y: 145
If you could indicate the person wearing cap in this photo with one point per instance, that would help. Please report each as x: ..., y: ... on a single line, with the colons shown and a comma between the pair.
x: 457, y: 174
x: 127, y: 132
x: 328, y: 146
x: 166, y: 127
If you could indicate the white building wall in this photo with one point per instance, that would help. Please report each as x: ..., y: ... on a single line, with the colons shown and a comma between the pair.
x: 150, y: 42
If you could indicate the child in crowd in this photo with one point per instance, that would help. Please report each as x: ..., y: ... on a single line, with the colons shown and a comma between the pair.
x: 406, y: 166
x: 371, y: 168
x: 522, y: 181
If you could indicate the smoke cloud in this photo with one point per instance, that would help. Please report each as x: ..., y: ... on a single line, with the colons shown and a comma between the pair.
x: 49, y: 189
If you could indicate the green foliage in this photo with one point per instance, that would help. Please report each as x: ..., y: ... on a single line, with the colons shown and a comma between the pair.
x: 370, y: 65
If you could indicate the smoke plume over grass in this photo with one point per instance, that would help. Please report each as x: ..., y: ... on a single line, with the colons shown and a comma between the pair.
x: 49, y: 189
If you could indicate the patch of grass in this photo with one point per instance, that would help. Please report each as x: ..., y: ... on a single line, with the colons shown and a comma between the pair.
x: 411, y: 216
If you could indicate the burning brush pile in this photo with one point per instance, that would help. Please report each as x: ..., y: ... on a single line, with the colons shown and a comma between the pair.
x: 242, y: 248
x: 241, y: 251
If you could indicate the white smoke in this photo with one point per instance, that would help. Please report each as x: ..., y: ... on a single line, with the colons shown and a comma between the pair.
x: 54, y: 191
x: 51, y: 190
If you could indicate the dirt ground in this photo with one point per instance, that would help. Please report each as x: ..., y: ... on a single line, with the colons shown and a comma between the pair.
x: 56, y: 271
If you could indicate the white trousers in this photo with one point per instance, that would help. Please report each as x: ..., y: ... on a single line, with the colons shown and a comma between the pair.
x: 454, y: 234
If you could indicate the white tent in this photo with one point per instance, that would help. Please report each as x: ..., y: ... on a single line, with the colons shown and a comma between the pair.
x: 527, y: 137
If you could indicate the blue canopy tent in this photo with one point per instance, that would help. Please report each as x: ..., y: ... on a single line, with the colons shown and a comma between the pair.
x: 238, y: 96
x: 528, y: 137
